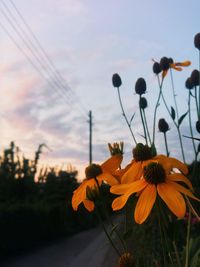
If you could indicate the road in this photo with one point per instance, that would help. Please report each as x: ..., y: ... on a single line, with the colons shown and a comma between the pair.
x: 86, y: 249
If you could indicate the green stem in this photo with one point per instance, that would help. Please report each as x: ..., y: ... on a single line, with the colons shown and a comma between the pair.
x: 178, y: 129
x: 166, y: 146
x: 146, y: 125
x: 123, y: 113
x: 174, y: 94
x: 143, y: 124
x: 157, y: 105
x: 196, y: 101
x: 190, y: 124
x: 187, y: 240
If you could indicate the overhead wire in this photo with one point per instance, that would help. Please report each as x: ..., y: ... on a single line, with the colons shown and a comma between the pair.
x: 31, y: 47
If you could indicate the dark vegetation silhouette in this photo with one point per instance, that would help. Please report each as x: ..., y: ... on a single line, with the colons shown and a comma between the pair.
x: 35, y: 205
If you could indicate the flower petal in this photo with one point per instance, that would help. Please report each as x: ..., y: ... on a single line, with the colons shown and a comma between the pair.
x: 145, y: 203
x: 183, y: 190
x: 178, y: 165
x: 134, y: 173
x: 124, y: 188
x: 112, y: 164
x: 173, y: 199
x: 178, y: 177
x: 119, y: 202
x: 89, y: 205
x: 110, y: 179
x: 171, y: 163
x: 184, y: 63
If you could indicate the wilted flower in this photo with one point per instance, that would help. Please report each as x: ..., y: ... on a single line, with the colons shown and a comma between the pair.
x: 163, y: 126
x: 140, y: 86
x: 197, y: 40
x: 143, y: 103
x: 116, y: 80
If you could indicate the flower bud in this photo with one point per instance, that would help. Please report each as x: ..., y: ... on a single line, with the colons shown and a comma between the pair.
x: 188, y: 84
x: 156, y: 68
x: 140, y: 86
x: 92, y: 193
x: 143, y: 102
x: 197, y: 40
x: 142, y: 152
x: 195, y: 77
x: 92, y: 171
x: 116, y: 80
x: 116, y: 148
x: 126, y: 260
x: 163, y: 126
x: 171, y: 61
x: 198, y: 126
x: 164, y: 63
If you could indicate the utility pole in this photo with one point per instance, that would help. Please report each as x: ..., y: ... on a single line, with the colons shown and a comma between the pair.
x: 90, y: 137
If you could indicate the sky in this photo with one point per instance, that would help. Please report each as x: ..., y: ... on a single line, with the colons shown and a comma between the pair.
x: 46, y: 94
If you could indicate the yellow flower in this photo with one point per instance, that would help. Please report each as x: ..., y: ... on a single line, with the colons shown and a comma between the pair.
x: 95, y: 173
x: 157, y: 177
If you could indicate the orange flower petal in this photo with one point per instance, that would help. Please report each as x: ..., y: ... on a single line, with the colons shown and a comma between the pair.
x: 112, y: 164
x: 178, y: 177
x: 171, y: 163
x: 78, y: 196
x: 184, y: 64
x: 119, y: 202
x: 145, y: 203
x: 134, y: 173
x: 183, y: 190
x: 110, y: 179
x: 164, y: 73
x: 89, y: 205
x: 173, y: 199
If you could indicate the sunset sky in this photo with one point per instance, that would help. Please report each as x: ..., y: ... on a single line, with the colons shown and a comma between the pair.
x: 47, y: 99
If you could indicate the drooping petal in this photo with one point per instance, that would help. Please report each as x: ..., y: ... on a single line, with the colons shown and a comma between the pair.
x: 78, y: 196
x: 171, y: 163
x: 89, y: 205
x: 119, y: 202
x: 110, y: 179
x: 178, y: 177
x: 112, y: 164
x: 174, y: 66
x: 179, y: 165
x: 124, y: 188
x: 164, y: 73
x: 134, y: 173
x: 183, y: 190
x: 173, y: 199
x: 145, y: 203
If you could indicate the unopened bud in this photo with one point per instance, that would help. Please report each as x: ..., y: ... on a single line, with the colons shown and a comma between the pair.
x: 140, y: 86
x: 198, y: 126
x: 188, y: 84
x: 197, y: 40
x: 143, y: 102
x: 195, y: 77
x: 156, y: 68
x: 163, y: 126
x: 116, y: 80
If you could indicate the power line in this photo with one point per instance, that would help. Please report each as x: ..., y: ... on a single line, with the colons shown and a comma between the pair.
x: 50, y: 62
x: 30, y: 46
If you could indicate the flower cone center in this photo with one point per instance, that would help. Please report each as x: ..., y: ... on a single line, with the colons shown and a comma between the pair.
x: 92, y: 171
x: 154, y: 173
x: 142, y: 152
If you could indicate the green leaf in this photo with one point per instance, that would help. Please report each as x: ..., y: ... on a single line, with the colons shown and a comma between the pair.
x: 182, y: 118
x: 194, y: 251
x: 173, y: 113
x: 113, y: 229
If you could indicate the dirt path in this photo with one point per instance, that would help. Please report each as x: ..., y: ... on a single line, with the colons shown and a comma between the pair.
x: 87, y: 249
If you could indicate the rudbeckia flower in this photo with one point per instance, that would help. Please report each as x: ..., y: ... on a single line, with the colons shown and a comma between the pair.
x: 95, y: 174
x: 157, y: 179
x: 167, y: 63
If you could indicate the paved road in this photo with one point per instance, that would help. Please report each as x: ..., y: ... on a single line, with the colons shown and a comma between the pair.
x: 86, y: 249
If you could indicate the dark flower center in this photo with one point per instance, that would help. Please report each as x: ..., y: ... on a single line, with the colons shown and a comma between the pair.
x: 154, y: 173
x: 142, y: 152
x: 92, y: 171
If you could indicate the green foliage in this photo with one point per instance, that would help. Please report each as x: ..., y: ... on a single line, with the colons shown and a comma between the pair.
x: 35, y: 205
